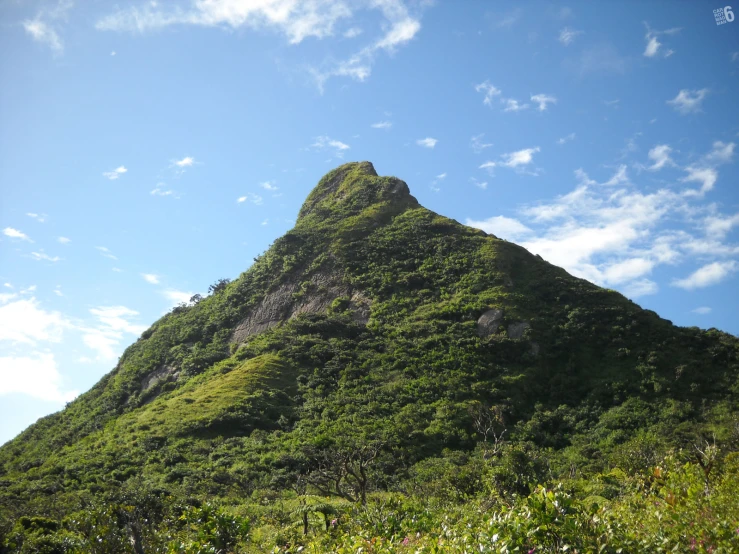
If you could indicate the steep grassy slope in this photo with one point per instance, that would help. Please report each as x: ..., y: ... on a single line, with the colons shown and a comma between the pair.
x: 377, y: 332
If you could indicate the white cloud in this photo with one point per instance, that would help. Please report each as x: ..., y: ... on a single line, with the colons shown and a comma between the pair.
x: 660, y: 155
x: 187, y: 161
x: 38, y: 217
x: 478, y: 145
x: 161, y: 190
x: 8, y: 285
x: 490, y: 92
x: 250, y: 197
x: 296, y: 19
x: 618, y: 178
x: 382, y: 125
x: 734, y: 56
x: 151, y: 278
x: 702, y: 310
x: 706, y: 176
x: 16, y: 234
x: 721, y: 153
x: 640, y: 287
x: 39, y: 256
x: 64, y: 240
x: 519, y: 158
x: 116, y: 173
x: 269, y: 185
x: 6, y: 297
x: 627, y: 270
x: 510, y: 18
x: 36, y: 376
x: 543, y: 100
x: 512, y: 105
x: 567, y: 36
x: 105, y: 252
x: 567, y: 138
x: 427, y: 142
x: 352, y: 32
x: 479, y: 184
x: 719, y: 226
x: 688, y: 101
x: 441, y: 176
x: 58, y: 290
x: 654, y: 45
x: 709, y: 274
x: 325, y: 142
x: 23, y: 321
x: 44, y: 33
x: 502, y: 227
x: 177, y: 296
x: 117, y: 318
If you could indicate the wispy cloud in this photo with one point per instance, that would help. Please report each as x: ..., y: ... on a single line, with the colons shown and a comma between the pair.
x: 489, y: 92
x: 382, y: 125
x: 105, y: 252
x: 654, y: 46
x: 707, y: 275
x: 116, y: 173
x: 16, y: 234
x: 269, y: 185
x: 502, y: 227
x: 44, y: 27
x: 702, y: 310
x: 324, y: 142
x: 660, y: 155
x: 63, y: 240
x: 36, y: 376
x: 477, y: 144
x: 187, y: 161
x: 41, y: 218
x: 150, y: 278
x: 296, y: 20
x: 113, y: 322
x: 427, y: 142
x: 251, y: 198
x: 566, y: 138
x: 688, y: 101
x: 512, y: 105
x: 615, y: 235
x: 162, y: 190
x: 567, y: 36
x: 43, y: 256
x: 479, y: 184
x: 543, y: 100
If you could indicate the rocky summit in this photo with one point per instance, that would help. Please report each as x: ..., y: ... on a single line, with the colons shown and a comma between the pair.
x: 376, y: 349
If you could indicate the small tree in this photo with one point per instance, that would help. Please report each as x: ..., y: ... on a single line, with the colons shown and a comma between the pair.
x: 218, y: 286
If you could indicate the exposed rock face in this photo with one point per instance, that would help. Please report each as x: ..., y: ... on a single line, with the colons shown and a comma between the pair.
x: 164, y: 373
x: 489, y: 322
x: 282, y: 304
x: 516, y: 330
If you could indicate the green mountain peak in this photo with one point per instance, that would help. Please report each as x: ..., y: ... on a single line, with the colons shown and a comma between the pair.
x: 352, y: 188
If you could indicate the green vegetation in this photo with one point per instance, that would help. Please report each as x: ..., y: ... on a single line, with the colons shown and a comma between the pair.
x: 341, y: 394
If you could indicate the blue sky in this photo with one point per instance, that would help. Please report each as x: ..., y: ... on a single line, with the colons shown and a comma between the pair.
x: 148, y: 149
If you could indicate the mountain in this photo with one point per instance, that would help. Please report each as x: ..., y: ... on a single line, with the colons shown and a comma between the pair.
x: 377, y: 346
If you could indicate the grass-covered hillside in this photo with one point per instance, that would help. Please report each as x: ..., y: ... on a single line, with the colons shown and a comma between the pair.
x: 386, y: 376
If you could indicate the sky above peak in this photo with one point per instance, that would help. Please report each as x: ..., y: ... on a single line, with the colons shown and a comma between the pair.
x: 150, y: 148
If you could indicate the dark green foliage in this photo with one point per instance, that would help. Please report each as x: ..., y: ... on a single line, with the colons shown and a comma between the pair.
x: 372, y: 377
